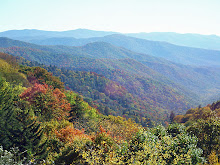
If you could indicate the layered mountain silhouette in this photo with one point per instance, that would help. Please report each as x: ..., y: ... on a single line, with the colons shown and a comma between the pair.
x: 151, y: 71
x: 178, y: 54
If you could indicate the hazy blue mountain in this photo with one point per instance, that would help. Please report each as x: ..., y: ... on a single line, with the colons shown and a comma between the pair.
x: 29, y: 34
x: 67, y: 41
x: 178, y: 54
x: 189, y: 39
x: 175, y: 53
x: 93, y: 50
x: 7, y: 42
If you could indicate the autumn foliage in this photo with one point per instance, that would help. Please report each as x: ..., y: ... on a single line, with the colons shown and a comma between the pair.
x: 48, y: 102
x: 69, y: 134
x: 50, y: 125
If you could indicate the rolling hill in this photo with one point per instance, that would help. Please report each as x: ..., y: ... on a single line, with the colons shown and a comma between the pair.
x: 179, y: 54
x: 174, y: 53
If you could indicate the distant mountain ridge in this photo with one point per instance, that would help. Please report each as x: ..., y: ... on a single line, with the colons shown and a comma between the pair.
x: 34, y: 33
x: 178, y: 54
x: 187, y: 39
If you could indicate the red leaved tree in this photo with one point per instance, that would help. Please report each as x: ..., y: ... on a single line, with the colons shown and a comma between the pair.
x: 69, y: 134
x: 48, y: 103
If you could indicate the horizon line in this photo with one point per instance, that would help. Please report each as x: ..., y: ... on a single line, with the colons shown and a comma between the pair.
x: 211, y: 34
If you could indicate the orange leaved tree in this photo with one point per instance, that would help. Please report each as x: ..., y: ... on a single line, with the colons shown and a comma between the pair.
x: 48, y: 103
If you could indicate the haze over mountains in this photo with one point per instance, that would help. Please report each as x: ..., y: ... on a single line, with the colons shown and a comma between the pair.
x: 29, y: 34
x: 163, y: 75
x: 188, y: 39
x: 175, y: 53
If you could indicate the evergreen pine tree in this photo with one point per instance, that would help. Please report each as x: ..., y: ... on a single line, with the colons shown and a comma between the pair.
x: 8, y: 97
x: 17, y: 127
x: 28, y: 136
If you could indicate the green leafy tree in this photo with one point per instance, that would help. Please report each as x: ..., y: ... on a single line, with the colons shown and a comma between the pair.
x: 208, y: 133
x: 159, y: 147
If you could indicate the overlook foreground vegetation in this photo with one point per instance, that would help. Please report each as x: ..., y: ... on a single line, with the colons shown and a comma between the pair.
x: 45, y: 123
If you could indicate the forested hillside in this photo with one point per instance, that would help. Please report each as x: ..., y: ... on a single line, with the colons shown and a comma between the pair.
x: 112, y: 98
x: 49, y: 124
x: 156, y: 91
x: 202, y: 81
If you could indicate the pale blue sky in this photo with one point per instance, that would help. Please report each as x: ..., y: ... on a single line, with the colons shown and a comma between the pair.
x: 126, y: 16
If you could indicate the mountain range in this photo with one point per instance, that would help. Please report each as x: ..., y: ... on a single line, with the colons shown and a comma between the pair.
x: 175, y: 53
x: 187, y: 39
x: 165, y: 76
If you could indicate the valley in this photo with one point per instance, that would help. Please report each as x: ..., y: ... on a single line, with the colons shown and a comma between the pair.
x: 109, y: 90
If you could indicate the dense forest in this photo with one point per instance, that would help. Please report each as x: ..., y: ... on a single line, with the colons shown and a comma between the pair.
x: 44, y: 121
x: 105, y: 100
x: 152, y: 91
